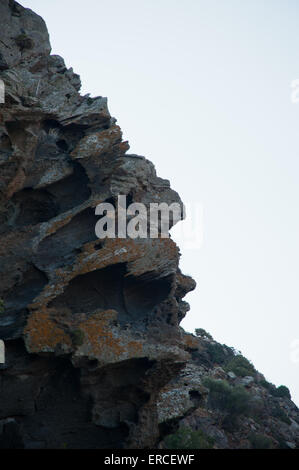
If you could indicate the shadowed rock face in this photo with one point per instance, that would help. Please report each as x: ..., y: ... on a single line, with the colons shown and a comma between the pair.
x: 91, y: 327
x: 95, y: 357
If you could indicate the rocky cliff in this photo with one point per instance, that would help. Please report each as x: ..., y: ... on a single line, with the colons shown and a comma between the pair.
x: 95, y: 356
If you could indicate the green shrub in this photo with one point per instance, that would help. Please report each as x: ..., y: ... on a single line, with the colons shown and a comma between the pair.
x: 282, y: 392
x: 267, y: 385
x: 259, y: 441
x: 1, y: 306
x: 217, y: 353
x: 281, y: 415
x: 185, y: 438
x: 233, y: 400
x: 240, y: 366
x: 282, y: 444
x: 257, y: 408
x: 203, y: 333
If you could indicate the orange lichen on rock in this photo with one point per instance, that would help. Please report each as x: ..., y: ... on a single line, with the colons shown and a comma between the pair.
x: 101, y: 340
x: 42, y: 334
x: 190, y: 342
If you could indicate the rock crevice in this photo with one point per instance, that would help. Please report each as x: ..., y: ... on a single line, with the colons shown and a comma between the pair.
x: 95, y: 356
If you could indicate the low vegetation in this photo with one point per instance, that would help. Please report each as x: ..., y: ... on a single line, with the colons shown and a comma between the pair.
x: 267, y: 385
x: 280, y: 392
x: 241, y: 366
x: 259, y: 441
x: 233, y: 400
x: 203, y: 333
x: 281, y: 415
x: 217, y: 353
x: 185, y: 438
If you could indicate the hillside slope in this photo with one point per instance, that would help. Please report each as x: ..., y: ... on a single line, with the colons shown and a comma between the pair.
x: 95, y: 356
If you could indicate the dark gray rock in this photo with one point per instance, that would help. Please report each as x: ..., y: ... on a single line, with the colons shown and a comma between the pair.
x: 95, y: 357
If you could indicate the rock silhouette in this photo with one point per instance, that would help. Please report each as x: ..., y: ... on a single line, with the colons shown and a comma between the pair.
x: 95, y: 356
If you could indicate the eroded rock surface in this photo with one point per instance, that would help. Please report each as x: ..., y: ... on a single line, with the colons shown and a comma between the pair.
x: 95, y: 357
x: 91, y: 327
x: 226, y: 409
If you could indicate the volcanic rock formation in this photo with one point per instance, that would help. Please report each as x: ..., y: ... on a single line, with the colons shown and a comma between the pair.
x: 95, y: 357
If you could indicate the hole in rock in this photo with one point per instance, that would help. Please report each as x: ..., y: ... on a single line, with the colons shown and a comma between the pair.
x: 142, y: 296
x: 16, y: 301
x: 22, y: 294
x: 62, y: 145
x: 119, y: 393
x: 34, y: 207
x: 18, y: 133
x: 51, y: 408
x: 80, y: 230
x: 5, y: 144
x: 72, y: 190
x: 50, y: 124
x: 67, y: 137
x: 101, y: 289
x: 195, y: 397
x: 134, y: 299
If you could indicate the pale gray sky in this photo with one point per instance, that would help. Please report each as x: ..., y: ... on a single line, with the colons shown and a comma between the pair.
x: 202, y: 88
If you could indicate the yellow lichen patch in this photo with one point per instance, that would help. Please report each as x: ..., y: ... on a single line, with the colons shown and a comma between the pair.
x: 104, y: 342
x: 190, y: 342
x: 42, y: 334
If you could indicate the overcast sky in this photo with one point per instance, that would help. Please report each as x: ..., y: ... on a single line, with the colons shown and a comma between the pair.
x: 202, y: 88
